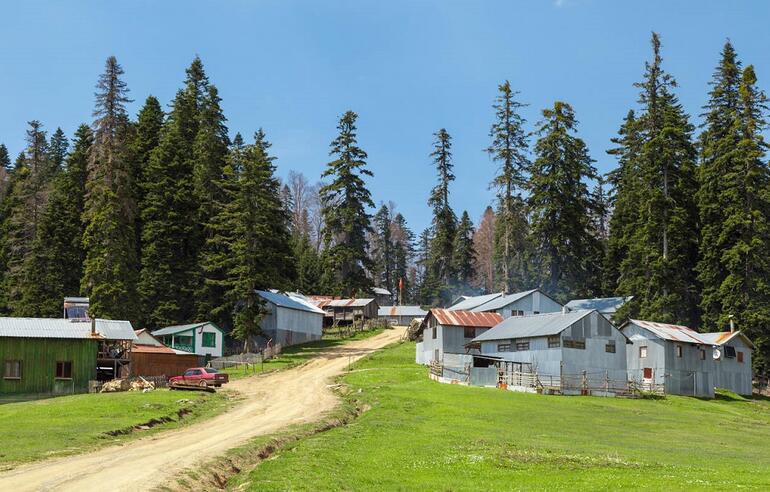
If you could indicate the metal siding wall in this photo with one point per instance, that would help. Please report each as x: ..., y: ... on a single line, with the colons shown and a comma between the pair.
x: 656, y: 355
x: 732, y: 375
x: 594, y: 359
x: 39, y: 357
x: 547, y: 305
x: 543, y: 360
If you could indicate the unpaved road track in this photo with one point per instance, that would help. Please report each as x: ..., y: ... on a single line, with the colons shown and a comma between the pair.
x: 271, y: 402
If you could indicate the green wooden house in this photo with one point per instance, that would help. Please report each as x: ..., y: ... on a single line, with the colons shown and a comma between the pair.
x: 58, y: 356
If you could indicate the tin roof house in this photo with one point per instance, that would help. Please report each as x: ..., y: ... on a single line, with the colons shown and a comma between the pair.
x: 532, y: 301
x: 291, y: 319
x: 446, y: 333
x: 401, y: 315
x: 346, y: 311
x: 673, y: 356
x: 573, y: 352
x: 686, y: 362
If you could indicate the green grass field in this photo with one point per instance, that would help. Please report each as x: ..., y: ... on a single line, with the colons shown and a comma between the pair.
x: 66, y: 425
x: 422, y: 435
x: 297, y: 354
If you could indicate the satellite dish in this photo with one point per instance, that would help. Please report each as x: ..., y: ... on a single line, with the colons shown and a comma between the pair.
x: 717, y: 354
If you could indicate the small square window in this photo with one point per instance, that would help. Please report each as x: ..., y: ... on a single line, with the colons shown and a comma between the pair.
x: 209, y: 339
x: 643, y: 352
x: 678, y: 350
x: 740, y: 357
x: 554, y: 341
x: 64, y: 370
x: 610, y: 347
x: 469, y: 332
x: 12, y: 369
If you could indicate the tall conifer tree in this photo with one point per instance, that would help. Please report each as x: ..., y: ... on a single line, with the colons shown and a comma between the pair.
x: 463, y: 253
x: 109, y: 240
x: 346, y: 222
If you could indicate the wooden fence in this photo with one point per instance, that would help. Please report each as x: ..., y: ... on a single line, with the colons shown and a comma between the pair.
x: 248, y: 359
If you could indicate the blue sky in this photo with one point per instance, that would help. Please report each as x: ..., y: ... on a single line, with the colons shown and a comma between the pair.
x: 407, y: 68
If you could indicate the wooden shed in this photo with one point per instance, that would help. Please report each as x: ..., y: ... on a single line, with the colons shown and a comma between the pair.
x: 149, y: 357
x: 59, y: 356
x: 346, y: 311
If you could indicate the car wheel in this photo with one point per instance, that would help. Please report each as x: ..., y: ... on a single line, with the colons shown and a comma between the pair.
x: 203, y: 383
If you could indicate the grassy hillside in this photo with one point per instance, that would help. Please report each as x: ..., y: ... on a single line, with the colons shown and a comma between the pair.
x: 74, y: 424
x: 421, y: 435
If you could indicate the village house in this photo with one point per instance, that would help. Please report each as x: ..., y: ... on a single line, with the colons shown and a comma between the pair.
x: 382, y: 296
x: 608, y: 306
x: 573, y: 352
x: 445, y: 334
x: 346, y: 311
x: 60, y: 356
x: 205, y: 338
x: 290, y: 319
x: 401, y: 315
x: 467, y: 303
x: 149, y: 357
x: 673, y: 356
x: 520, y: 304
x: 686, y: 362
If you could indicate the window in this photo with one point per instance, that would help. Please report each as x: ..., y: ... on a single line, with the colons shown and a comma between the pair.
x: 729, y: 352
x: 575, y: 344
x: 610, y: 347
x: 64, y: 370
x: 536, y: 312
x: 522, y: 345
x: 183, y: 341
x: 435, y: 332
x: 189, y: 372
x: 554, y: 341
x: 210, y: 370
x: 503, y: 347
x: 209, y: 339
x: 740, y: 357
x: 469, y: 332
x: 648, y: 373
x: 12, y: 369
x: 643, y: 352
x: 702, y: 354
x: 678, y: 350
x: 518, y: 312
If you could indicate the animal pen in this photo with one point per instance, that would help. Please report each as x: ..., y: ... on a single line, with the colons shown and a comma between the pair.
x: 523, y: 377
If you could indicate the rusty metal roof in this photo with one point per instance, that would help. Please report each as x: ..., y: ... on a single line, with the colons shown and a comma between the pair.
x: 343, y: 302
x: 722, y: 337
x: 449, y: 317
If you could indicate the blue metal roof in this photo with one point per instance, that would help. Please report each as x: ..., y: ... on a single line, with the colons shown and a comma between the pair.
x: 535, y: 325
x: 285, y: 301
x: 502, y: 301
x: 605, y: 305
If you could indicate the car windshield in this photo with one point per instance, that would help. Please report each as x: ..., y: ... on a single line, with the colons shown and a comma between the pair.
x: 211, y: 370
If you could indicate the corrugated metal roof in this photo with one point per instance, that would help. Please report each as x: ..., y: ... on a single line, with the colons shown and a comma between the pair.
x: 722, y: 337
x: 503, y: 300
x: 473, y: 302
x: 288, y: 302
x: 675, y: 333
x: 179, y: 328
x: 380, y: 291
x: 415, y: 311
x: 344, y: 302
x: 64, y: 328
x: 605, y: 305
x: 451, y: 317
x: 535, y: 325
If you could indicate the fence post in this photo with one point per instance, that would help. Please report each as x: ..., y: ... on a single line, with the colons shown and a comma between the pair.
x: 606, y: 382
x: 585, y: 384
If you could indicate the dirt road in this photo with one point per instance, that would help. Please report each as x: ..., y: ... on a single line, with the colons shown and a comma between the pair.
x: 271, y: 402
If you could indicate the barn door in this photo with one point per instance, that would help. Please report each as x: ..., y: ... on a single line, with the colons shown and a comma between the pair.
x: 648, y: 373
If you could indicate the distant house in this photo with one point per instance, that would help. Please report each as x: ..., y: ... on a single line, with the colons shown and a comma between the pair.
x: 291, y: 318
x: 608, y: 306
x: 383, y: 296
x: 468, y: 303
x: 59, y: 356
x: 445, y: 334
x: 204, y: 338
x: 670, y: 355
x: 732, y: 360
x: 346, y: 311
x: 149, y: 357
x: 520, y: 304
x: 577, y: 349
x: 401, y: 315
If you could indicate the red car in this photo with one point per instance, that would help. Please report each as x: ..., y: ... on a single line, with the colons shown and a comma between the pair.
x: 200, y: 376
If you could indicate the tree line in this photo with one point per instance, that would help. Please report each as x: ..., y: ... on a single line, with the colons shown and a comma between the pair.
x: 166, y: 219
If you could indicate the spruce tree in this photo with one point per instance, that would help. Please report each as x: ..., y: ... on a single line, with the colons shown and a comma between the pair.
x: 658, y: 269
x: 5, y: 158
x: 562, y: 206
x: 463, y: 253
x: 346, y: 222
x: 509, y: 149
x: 261, y: 250
x: 439, y: 272
x: 382, y: 249
x: 57, y: 148
x: 170, y: 212
x: 403, y: 253
x: 110, y: 266
x: 56, y: 264
x: 734, y: 206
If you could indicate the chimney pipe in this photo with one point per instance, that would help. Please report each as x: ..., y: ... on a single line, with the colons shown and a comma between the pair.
x: 93, y: 327
x: 564, y: 310
x: 732, y: 324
